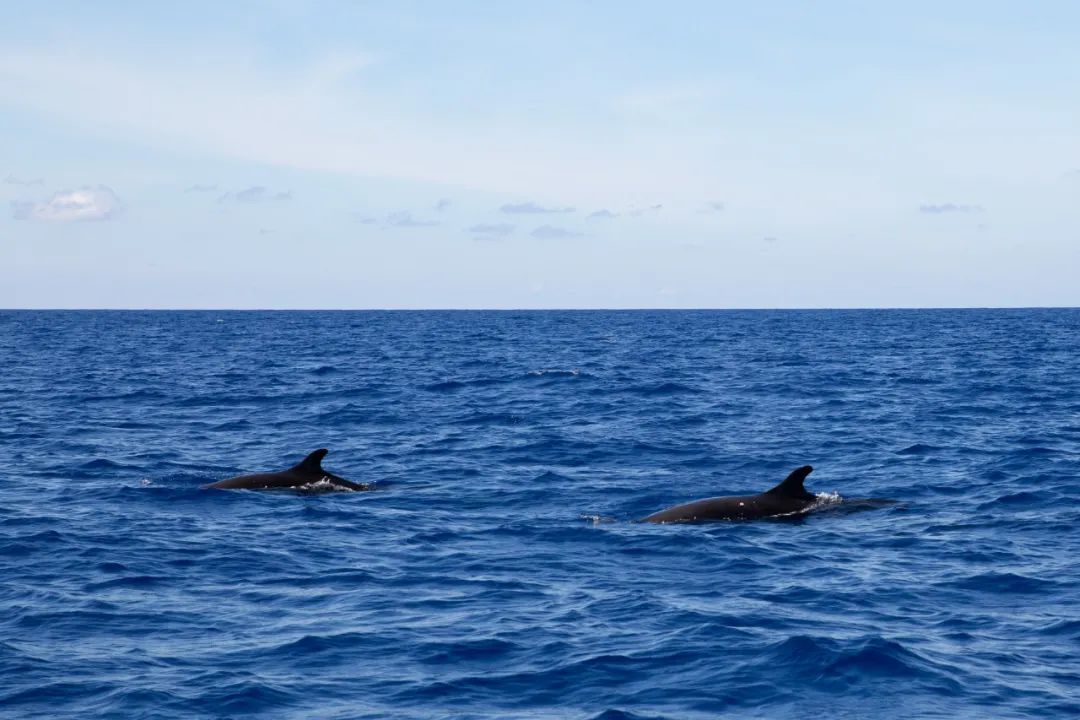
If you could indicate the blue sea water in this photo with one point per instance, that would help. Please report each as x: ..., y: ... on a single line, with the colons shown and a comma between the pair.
x: 496, y: 572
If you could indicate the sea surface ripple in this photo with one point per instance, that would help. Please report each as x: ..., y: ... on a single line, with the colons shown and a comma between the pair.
x: 496, y: 572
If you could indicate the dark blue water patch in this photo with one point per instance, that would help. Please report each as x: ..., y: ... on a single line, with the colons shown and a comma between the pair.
x: 453, y: 386
x: 1024, y: 499
x: 497, y: 572
x: 131, y: 396
x: 1002, y: 582
x: 487, y: 418
x: 615, y: 714
x: 1028, y: 451
x: 920, y: 449
x: 103, y: 464
x: 823, y: 663
x: 662, y: 389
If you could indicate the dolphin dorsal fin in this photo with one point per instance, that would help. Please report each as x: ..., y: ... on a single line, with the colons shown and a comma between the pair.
x: 313, y: 462
x: 793, y: 484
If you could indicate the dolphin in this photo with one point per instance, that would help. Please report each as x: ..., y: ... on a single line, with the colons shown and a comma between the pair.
x: 305, y: 475
x: 787, y: 498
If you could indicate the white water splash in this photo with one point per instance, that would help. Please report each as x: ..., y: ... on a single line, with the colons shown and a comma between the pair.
x: 323, y: 485
x: 825, y: 499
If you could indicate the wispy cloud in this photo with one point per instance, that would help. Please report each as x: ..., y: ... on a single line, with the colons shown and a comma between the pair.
x: 318, y: 117
x: 602, y: 215
x: 636, y: 211
x: 12, y: 180
x: 493, y: 231
x: 86, y: 203
x: 256, y: 194
x: 949, y: 208
x: 550, y: 232
x: 713, y: 207
x: 664, y: 101
x: 443, y: 205
x: 197, y: 188
x: 531, y: 208
x: 404, y: 219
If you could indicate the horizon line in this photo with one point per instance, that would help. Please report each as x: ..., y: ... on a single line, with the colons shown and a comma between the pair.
x: 538, y: 309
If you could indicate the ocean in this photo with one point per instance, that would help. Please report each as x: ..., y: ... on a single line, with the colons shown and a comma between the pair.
x: 497, y: 571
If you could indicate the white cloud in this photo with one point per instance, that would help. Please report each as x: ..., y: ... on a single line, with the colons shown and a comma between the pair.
x: 531, y: 208
x: 256, y: 194
x: 637, y: 211
x: 497, y: 230
x: 86, y: 203
x: 667, y: 100
x: 404, y: 218
x: 949, y: 208
x: 12, y: 180
x: 550, y: 232
x: 602, y: 215
x: 317, y: 117
x: 346, y: 115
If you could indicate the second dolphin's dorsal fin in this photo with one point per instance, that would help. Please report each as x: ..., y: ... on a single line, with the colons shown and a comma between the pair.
x: 313, y: 462
x: 793, y: 484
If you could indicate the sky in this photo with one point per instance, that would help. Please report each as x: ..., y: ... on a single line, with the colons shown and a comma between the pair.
x: 539, y: 155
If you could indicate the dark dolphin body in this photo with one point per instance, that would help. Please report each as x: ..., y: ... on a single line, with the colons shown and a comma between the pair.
x: 304, y: 475
x: 786, y: 498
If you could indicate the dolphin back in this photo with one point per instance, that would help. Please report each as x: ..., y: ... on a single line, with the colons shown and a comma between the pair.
x: 788, y: 497
x: 307, y: 473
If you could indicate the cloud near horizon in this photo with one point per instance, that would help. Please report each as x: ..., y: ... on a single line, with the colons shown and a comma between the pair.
x: 602, y: 215
x: 404, y: 218
x: 256, y: 194
x: 12, y: 180
x: 531, y: 208
x: 492, y: 231
x: 86, y: 203
x: 550, y: 232
x: 949, y: 208
x: 199, y: 188
x: 635, y: 211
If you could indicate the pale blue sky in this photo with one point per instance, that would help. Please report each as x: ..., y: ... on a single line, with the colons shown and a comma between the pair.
x: 496, y: 155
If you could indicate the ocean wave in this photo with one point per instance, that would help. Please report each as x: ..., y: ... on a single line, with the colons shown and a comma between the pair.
x: 1001, y: 582
x: 864, y: 660
x: 553, y: 373
x: 662, y: 389
x: 920, y: 449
